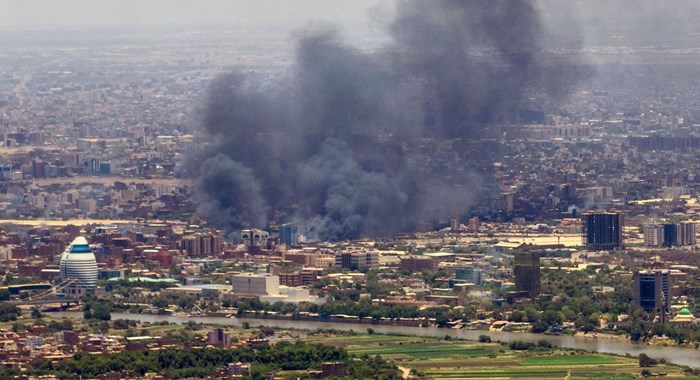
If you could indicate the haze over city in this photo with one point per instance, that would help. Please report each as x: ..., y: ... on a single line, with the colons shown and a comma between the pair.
x: 367, y: 189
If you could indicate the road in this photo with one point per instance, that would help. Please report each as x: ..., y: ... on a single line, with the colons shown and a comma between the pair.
x: 405, y: 372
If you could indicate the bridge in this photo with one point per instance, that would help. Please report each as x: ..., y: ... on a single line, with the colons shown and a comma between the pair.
x: 56, y: 295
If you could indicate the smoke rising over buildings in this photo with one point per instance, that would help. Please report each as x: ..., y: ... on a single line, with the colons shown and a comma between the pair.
x: 335, y: 144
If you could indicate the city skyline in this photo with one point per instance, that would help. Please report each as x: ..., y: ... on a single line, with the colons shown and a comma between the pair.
x: 189, y: 189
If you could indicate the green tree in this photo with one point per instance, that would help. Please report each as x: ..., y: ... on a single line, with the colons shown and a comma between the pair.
x: 36, y: 313
x: 97, y: 310
x: 658, y: 329
x: 646, y: 361
x: 9, y: 312
x: 160, y: 302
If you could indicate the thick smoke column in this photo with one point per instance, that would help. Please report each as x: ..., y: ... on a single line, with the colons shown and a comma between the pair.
x: 229, y: 194
x: 343, y: 143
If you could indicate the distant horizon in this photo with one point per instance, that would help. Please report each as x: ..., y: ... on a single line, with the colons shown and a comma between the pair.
x: 194, y: 27
x: 74, y: 14
x: 77, y: 36
x: 579, y: 23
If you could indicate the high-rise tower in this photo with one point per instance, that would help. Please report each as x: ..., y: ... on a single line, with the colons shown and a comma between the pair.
x: 652, y: 291
x: 78, y: 262
x: 527, y: 273
x: 602, y: 231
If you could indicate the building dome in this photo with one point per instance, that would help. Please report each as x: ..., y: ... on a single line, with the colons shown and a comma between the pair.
x: 684, y: 316
x: 78, y: 262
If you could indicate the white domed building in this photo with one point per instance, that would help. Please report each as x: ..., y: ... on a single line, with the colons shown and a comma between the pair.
x: 78, y: 262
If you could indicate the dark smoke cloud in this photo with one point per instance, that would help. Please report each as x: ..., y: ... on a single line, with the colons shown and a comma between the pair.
x: 229, y: 194
x: 347, y: 199
x: 346, y: 143
x: 438, y: 42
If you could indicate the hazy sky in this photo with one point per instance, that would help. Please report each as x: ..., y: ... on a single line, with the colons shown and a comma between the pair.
x: 15, y: 14
x: 639, y: 22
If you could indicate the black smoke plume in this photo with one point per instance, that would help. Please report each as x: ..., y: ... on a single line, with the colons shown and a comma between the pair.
x: 355, y: 143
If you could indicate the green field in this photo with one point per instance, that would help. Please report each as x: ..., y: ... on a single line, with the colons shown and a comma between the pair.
x: 423, y: 350
x: 362, y: 339
x: 439, y: 359
x: 462, y: 374
x: 571, y: 360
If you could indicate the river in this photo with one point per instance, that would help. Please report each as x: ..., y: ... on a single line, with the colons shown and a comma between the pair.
x: 676, y: 355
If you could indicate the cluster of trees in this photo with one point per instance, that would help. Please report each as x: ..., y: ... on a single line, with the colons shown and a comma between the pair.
x: 100, y: 311
x: 529, y: 346
x: 124, y: 324
x: 63, y: 325
x: 184, y: 363
x: 124, y: 287
x: 182, y: 301
x: 642, y: 329
x: 9, y: 312
x: 52, y: 326
x: 646, y: 361
x: 373, y: 368
x: 362, y: 308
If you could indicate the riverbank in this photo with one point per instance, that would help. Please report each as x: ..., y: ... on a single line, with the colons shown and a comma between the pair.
x: 622, y: 337
x: 676, y: 355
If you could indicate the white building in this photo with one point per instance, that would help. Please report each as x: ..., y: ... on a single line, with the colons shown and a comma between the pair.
x: 290, y: 294
x: 253, y: 284
x: 686, y: 233
x: 78, y: 262
x: 670, y: 234
x: 653, y: 235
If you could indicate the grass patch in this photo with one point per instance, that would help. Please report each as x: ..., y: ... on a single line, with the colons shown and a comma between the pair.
x: 575, y: 375
x: 365, y: 339
x: 422, y: 350
x: 570, y: 360
x: 559, y: 373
